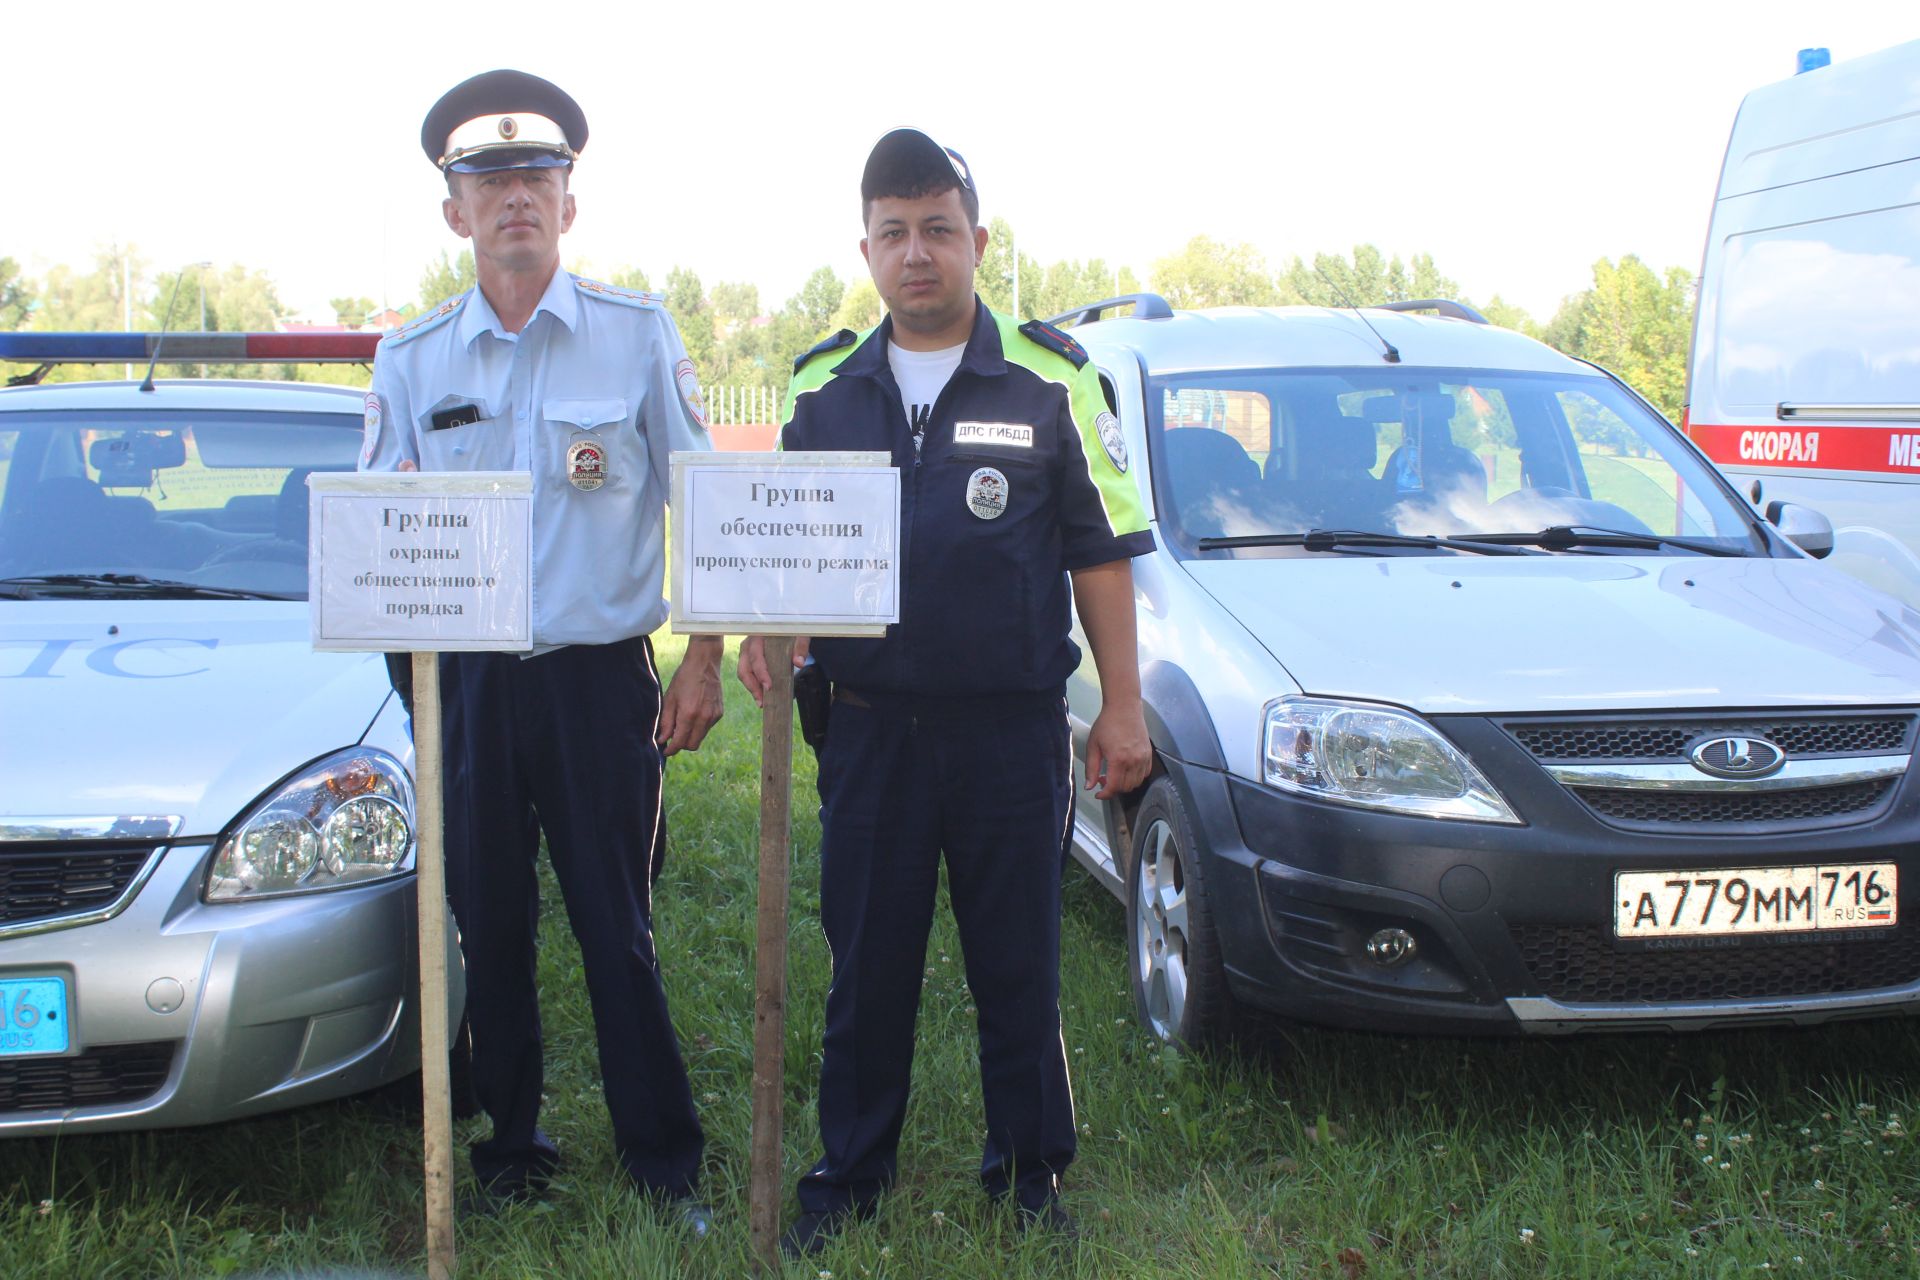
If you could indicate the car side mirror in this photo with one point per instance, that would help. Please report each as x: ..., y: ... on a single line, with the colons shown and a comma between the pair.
x: 1804, y: 527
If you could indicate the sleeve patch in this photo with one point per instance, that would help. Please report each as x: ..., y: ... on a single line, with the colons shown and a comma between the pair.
x: 833, y: 342
x: 1042, y: 334
x: 372, y: 441
x: 1112, y: 440
x: 687, y: 379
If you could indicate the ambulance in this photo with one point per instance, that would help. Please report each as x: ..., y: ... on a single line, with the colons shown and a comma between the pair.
x: 1805, y: 375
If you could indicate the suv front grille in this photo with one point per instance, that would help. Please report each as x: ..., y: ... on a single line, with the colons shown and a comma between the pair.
x: 1664, y: 740
x: 101, y: 1076
x: 1578, y: 965
x: 1624, y: 741
x: 40, y: 884
x: 1803, y: 804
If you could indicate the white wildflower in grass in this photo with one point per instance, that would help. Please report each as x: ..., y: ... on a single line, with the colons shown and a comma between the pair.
x: 46, y: 1207
x: 824, y: 1275
x: 939, y: 1217
x: 1726, y: 1164
x: 1819, y: 1185
x: 1692, y: 1252
x: 1526, y: 1235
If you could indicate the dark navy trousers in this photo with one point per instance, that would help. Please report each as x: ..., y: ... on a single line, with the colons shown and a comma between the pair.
x: 563, y: 743
x: 989, y: 786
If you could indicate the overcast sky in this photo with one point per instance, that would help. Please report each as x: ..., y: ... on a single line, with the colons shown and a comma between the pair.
x: 1517, y: 143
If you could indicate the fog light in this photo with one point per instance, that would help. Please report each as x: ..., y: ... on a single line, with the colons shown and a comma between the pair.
x: 1390, y: 947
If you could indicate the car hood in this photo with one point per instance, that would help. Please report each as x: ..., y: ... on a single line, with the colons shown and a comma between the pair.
x: 1471, y: 634
x: 179, y: 708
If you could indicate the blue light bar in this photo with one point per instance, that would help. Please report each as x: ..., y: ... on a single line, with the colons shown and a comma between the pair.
x: 178, y: 348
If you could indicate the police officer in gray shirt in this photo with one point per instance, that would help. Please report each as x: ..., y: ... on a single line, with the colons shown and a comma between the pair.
x: 588, y: 388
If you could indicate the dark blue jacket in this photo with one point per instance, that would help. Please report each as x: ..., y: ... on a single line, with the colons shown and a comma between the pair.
x: 984, y: 601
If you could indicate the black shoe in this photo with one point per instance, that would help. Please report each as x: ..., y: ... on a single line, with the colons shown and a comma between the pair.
x: 1050, y: 1220
x: 691, y: 1213
x: 811, y: 1232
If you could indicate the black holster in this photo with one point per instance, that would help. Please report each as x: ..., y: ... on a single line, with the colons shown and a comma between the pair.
x: 812, y: 700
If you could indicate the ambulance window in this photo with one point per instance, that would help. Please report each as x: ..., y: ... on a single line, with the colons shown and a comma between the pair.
x: 1821, y: 313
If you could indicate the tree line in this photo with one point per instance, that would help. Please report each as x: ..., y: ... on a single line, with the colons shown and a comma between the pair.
x: 1631, y: 319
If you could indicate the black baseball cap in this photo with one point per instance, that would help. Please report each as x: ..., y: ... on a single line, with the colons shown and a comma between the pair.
x: 907, y: 159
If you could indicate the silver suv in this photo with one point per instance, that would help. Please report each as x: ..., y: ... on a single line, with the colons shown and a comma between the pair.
x: 1481, y: 702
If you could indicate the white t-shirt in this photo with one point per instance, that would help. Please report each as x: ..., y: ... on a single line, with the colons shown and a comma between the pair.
x: 921, y: 375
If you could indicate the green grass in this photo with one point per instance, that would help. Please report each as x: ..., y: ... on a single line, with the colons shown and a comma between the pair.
x: 1299, y: 1153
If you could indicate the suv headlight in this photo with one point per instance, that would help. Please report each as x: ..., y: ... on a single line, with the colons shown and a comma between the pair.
x: 346, y: 819
x: 1377, y: 758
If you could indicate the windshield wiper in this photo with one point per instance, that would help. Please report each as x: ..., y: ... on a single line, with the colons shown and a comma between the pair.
x: 1565, y: 537
x: 129, y: 584
x: 1338, y: 539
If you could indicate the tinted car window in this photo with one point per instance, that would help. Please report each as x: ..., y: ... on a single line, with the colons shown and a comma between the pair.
x: 214, y: 499
x: 1424, y: 452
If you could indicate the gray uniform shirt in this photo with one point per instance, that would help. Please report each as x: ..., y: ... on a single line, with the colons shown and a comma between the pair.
x: 596, y: 386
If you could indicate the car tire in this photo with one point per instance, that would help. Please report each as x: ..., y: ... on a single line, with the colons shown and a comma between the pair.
x: 1173, y: 951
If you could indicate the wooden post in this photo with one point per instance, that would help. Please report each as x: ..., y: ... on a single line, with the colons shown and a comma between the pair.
x: 430, y: 889
x: 770, y: 952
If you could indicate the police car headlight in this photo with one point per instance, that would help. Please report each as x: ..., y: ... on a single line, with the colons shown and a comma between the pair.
x: 346, y: 819
x: 1376, y: 758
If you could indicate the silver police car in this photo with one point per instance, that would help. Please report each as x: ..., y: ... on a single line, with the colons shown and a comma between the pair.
x: 206, y: 828
x: 1480, y: 702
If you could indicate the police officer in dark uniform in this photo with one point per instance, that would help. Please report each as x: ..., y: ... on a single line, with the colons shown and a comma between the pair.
x: 589, y: 389
x: 948, y: 736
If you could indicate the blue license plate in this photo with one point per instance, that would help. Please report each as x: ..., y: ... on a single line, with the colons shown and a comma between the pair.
x: 33, y: 1016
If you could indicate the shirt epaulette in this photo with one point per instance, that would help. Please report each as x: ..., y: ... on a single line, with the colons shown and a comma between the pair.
x: 1042, y: 334
x: 625, y: 297
x: 832, y: 342
x: 432, y: 320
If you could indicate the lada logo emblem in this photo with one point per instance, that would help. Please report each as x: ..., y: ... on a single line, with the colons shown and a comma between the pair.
x: 1734, y: 756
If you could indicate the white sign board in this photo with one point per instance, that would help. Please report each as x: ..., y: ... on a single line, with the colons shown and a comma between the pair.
x: 786, y: 543
x: 421, y: 561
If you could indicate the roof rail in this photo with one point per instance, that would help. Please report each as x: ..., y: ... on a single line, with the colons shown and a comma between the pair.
x: 1445, y: 306
x: 190, y: 348
x: 1146, y: 306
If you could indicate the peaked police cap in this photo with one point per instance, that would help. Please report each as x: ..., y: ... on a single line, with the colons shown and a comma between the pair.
x: 504, y: 120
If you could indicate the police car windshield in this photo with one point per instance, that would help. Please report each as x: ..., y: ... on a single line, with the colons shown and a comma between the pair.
x: 215, y: 501
x: 1241, y: 455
